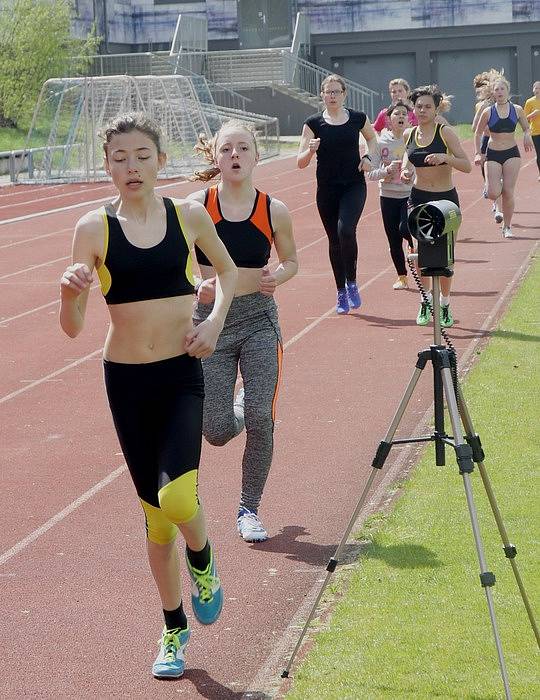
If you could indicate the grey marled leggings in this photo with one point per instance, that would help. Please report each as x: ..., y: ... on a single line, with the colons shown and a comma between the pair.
x: 251, y: 341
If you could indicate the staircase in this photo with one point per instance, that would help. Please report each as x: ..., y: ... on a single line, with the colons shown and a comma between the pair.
x: 278, y: 69
x: 282, y: 69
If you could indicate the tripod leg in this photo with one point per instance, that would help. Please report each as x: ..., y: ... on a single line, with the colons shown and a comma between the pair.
x: 509, y: 549
x: 466, y: 466
x: 378, y: 462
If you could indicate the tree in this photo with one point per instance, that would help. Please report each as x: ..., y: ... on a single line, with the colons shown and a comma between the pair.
x: 35, y: 45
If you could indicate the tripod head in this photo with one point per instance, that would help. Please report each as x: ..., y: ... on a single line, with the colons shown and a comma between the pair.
x: 435, y: 225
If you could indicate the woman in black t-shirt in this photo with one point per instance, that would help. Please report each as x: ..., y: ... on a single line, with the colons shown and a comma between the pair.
x: 341, y: 189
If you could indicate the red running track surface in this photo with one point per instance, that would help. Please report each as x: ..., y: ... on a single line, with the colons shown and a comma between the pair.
x: 80, y: 614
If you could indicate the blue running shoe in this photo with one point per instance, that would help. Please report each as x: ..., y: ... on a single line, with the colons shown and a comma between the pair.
x: 353, y: 295
x: 342, y: 306
x: 170, y: 662
x: 206, y: 592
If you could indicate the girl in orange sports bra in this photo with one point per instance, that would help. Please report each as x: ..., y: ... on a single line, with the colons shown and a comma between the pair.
x: 249, y: 223
x: 140, y: 246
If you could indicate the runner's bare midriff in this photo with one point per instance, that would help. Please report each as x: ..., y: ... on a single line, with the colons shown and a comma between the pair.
x: 150, y: 330
x: 248, y: 279
x: 435, y: 178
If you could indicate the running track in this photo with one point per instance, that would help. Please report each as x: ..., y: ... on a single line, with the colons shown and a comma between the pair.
x: 80, y: 615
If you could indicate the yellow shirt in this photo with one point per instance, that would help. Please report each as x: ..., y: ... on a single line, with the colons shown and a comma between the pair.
x: 532, y: 104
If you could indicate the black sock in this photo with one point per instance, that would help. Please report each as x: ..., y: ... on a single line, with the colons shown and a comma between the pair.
x: 175, y: 619
x: 199, y: 560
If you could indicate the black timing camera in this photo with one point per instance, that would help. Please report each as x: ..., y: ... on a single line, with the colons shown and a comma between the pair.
x: 435, y: 225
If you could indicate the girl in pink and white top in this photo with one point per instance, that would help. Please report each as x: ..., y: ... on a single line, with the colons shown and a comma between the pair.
x: 394, y: 193
x: 399, y: 90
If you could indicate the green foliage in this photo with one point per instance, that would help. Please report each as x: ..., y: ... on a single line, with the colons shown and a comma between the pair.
x: 35, y: 45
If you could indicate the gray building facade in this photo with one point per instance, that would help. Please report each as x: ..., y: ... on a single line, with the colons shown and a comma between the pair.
x: 368, y: 41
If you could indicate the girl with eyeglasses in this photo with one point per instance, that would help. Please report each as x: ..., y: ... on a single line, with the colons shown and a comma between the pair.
x: 334, y: 135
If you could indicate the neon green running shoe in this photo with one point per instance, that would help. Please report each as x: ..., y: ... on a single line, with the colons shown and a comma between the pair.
x: 206, y: 592
x: 170, y: 662
x: 447, y: 320
x: 424, y: 314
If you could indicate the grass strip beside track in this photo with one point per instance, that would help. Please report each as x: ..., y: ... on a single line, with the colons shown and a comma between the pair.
x: 411, y: 619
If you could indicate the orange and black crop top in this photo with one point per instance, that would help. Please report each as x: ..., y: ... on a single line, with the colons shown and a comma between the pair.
x: 130, y: 273
x: 248, y: 242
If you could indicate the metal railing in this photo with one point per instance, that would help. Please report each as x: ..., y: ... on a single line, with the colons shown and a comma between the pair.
x: 190, y: 34
x: 159, y: 63
x: 275, y: 68
x: 266, y: 127
x: 22, y: 160
x: 308, y: 77
x: 301, y: 43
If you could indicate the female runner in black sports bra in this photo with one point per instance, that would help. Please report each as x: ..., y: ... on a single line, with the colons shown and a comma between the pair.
x: 140, y: 246
x: 432, y: 150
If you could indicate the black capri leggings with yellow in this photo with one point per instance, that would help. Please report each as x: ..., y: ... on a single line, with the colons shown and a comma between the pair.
x: 157, y: 408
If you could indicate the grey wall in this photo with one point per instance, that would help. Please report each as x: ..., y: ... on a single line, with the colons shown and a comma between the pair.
x: 290, y: 112
x: 450, y: 55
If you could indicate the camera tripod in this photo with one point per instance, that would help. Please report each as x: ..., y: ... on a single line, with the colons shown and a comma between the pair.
x: 468, y: 451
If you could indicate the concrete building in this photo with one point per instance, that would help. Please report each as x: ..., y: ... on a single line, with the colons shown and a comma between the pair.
x: 368, y: 41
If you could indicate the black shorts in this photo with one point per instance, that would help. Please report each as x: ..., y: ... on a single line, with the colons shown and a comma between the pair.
x: 157, y: 408
x: 483, y: 146
x: 423, y: 197
x: 502, y: 156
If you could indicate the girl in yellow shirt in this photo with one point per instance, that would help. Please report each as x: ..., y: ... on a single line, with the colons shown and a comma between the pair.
x: 532, y: 112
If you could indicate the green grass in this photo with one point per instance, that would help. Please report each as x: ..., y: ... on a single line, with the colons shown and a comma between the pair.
x: 12, y: 139
x: 464, y: 131
x: 413, y: 621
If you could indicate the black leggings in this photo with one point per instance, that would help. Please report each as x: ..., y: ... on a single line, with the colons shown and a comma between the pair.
x: 157, y: 409
x: 394, y: 216
x: 536, y: 141
x: 340, y: 208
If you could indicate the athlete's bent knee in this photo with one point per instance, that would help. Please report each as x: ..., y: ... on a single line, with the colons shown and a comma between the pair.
x: 159, y: 529
x: 217, y: 435
x: 178, y: 500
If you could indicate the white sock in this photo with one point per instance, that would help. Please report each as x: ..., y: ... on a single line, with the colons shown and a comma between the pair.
x: 445, y: 301
x: 429, y: 296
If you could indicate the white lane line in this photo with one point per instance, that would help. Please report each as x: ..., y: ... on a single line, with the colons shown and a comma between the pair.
x: 57, y: 301
x: 55, y: 196
x: 266, y: 674
x: 26, y: 217
x: 3, y: 321
x: 36, y: 238
x: 48, y: 377
x: 332, y: 310
x: 34, y: 267
x: 22, y: 544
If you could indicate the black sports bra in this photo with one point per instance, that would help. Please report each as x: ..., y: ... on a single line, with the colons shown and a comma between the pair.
x: 417, y: 154
x: 129, y: 273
